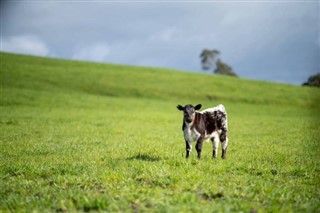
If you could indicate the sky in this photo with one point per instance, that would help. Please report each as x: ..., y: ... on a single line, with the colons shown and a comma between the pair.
x: 275, y: 41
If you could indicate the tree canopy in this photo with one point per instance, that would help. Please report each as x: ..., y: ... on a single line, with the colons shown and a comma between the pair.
x: 223, y: 68
x: 313, y: 81
x: 210, y: 60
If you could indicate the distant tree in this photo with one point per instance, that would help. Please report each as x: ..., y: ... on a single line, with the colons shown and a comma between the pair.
x: 210, y: 60
x: 223, y: 69
x: 313, y: 81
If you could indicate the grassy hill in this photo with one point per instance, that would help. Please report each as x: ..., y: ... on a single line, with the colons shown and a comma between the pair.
x: 78, y: 136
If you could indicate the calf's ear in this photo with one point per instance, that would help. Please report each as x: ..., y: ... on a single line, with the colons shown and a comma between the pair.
x: 198, y: 107
x: 179, y: 107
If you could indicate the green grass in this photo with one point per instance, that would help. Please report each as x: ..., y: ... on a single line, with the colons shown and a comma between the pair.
x: 81, y: 136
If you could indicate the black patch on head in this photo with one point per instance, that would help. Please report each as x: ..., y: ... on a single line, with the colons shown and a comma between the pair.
x: 188, y: 113
x: 189, y: 107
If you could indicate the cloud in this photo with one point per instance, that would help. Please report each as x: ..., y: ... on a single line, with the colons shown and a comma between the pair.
x: 166, y: 35
x: 26, y: 44
x: 94, y: 52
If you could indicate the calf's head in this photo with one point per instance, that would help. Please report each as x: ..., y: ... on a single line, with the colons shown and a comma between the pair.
x: 188, y: 111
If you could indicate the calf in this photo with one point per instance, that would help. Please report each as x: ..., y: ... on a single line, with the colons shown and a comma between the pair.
x: 208, y: 124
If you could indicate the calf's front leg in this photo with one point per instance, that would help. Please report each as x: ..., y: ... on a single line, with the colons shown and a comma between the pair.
x: 199, y: 146
x: 188, y: 148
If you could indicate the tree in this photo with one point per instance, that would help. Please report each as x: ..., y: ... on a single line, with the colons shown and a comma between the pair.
x: 313, y: 81
x: 223, y: 69
x: 210, y: 59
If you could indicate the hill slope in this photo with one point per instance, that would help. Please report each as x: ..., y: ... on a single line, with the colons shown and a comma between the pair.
x: 124, y: 81
x: 79, y: 136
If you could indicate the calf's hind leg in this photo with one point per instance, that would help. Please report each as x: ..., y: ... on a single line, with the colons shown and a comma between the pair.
x: 224, y: 144
x: 215, y: 144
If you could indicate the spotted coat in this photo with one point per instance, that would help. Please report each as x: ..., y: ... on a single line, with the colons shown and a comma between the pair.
x: 210, y: 124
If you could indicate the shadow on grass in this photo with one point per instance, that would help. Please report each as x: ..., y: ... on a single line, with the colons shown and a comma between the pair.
x: 144, y: 157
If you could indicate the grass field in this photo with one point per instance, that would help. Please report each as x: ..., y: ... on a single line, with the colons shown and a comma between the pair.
x: 79, y: 136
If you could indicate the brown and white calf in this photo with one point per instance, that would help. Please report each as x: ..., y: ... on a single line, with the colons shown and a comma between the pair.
x: 208, y: 124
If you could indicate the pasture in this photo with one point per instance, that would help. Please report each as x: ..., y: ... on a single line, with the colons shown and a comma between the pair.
x: 78, y: 136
